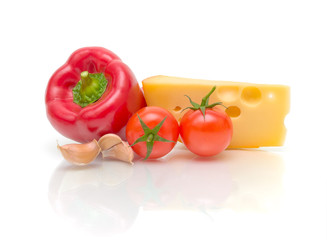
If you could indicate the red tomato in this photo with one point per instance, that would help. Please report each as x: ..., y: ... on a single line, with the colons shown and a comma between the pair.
x: 152, y: 116
x: 206, y: 136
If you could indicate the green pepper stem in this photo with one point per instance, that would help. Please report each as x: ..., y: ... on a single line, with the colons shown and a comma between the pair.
x: 85, y: 78
x: 90, y: 88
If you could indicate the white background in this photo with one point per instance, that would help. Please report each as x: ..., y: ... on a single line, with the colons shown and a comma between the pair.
x: 255, y: 194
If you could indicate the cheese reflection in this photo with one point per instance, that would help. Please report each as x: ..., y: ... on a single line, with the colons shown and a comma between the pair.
x: 107, y: 195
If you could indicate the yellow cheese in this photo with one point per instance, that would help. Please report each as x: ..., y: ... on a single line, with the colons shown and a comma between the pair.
x: 257, y: 110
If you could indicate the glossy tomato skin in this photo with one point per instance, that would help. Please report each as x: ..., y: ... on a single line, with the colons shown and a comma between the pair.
x: 152, y: 116
x: 206, y: 136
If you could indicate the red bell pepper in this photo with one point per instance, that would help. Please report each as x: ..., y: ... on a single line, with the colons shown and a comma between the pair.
x: 92, y: 94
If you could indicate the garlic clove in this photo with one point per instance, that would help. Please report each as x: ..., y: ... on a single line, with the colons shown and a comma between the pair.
x: 108, y: 141
x: 80, y: 154
x: 121, y: 151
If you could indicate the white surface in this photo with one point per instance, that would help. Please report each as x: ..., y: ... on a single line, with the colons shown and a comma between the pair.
x: 255, y: 194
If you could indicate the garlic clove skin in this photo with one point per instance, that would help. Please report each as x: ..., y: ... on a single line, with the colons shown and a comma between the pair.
x: 121, y: 151
x: 80, y: 154
x: 108, y: 141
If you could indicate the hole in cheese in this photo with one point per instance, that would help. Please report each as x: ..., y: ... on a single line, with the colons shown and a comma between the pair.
x: 228, y: 93
x: 233, y: 111
x: 177, y: 108
x: 251, y: 95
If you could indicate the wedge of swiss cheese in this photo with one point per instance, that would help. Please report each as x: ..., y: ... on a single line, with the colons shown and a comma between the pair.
x: 257, y: 110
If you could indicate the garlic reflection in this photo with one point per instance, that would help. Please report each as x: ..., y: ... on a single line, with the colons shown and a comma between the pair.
x: 107, y: 195
x: 93, y: 196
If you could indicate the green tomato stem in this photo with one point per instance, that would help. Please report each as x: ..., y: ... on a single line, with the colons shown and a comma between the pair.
x: 205, y: 100
x: 204, y: 103
x: 150, y: 137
